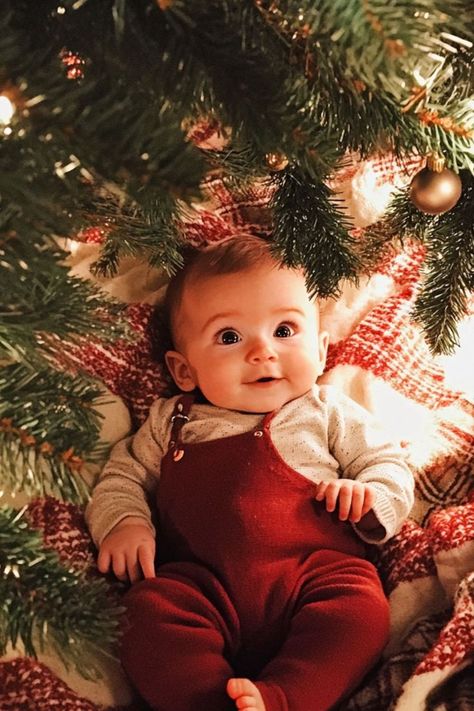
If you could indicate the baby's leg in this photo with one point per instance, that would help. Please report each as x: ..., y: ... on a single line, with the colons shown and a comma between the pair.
x: 338, y: 631
x: 176, y: 641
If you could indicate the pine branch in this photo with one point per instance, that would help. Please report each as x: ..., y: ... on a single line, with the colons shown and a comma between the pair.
x: 403, y: 219
x: 449, y: 131
x: 48, y: 426
x: 448, y: 274
x: 41, y: 303
x: 44, y: 603
x: 89, y: 134
x: 310, y: 232
x: 200, y: 52
x: 229, y: 41
x: 401, y: 222
x: 150, y: 230
x: 238, y: 166
x: 39, y: 470
x: 359, y: 61
x: 40, y: 202
x: 374, y: 41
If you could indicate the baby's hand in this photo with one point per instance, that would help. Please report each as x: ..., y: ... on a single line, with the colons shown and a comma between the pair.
x: 129, y: 549
x: 352, y: 498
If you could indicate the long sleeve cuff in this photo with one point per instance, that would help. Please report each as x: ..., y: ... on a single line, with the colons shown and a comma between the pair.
x: 386, y: 516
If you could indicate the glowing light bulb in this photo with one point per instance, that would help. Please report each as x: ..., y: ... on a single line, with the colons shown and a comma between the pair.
x: 7, y: 109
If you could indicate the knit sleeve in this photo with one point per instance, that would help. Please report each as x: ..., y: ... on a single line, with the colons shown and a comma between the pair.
x: 366, y: 453
x: 129, y: 479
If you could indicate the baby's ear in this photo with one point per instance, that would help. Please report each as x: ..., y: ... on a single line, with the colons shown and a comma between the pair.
x: 180, y: 371
x: 323, y: 343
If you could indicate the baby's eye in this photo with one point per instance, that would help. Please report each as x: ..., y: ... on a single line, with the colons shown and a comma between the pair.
x: 284, y: 330
x: 228, y: 336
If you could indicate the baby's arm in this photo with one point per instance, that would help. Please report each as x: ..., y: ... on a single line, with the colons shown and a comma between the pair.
x: 118, y: 514
x: 369, y: 458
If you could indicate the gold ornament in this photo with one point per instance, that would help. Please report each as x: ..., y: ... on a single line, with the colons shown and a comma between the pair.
x: 435, y: 189
x: 276, y: 161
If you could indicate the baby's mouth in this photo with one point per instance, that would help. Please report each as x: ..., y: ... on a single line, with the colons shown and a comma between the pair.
x: 265, y: 379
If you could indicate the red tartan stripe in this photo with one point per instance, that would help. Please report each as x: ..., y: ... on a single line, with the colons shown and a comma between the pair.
x: 389, y: 353
x: 462, y: 440
x: 452, y: 527
x: 28, y: 685
x: 456, y: 640
x: 406, y: 557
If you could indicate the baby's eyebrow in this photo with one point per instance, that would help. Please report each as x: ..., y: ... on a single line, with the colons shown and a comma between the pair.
x: 219, y: 316
x: 289, y: 310
x: 234, y: 314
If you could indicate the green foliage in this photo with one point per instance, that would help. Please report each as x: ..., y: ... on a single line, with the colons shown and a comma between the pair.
x: 42, y: 305
x: 310, y: 232
x: 48, y: 421
x: 448, y: 273
x: 402, y: 221
x: 43, y: 603
x: 108, y: 146
x: 149, y: 230
x: 48, y: 426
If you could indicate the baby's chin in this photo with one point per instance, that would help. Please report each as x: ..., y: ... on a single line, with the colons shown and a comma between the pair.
x: 255, y: 407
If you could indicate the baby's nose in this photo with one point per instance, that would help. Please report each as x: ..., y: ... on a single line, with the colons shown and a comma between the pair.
x: 260, y: 350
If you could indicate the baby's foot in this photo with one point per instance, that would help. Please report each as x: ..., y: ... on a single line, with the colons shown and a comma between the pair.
x: 245, y: 694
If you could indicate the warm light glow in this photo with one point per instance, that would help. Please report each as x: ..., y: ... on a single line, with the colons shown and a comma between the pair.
x: 72, y: 245
x: 7, y: 109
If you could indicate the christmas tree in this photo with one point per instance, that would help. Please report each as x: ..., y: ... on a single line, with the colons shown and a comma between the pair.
x: 100, y: 100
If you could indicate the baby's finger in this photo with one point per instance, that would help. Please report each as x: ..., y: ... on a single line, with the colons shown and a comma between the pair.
x: 103, y: 561
x: 133, y: 569
x: 344, y: 502
x: 369, y: 500
x: 331, y: 493
x: 357, y: 502
x: 321, y: 490
x: 146, y: 557
x: 119, y: 566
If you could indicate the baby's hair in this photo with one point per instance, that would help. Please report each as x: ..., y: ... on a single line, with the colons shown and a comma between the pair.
x: 230, y: 256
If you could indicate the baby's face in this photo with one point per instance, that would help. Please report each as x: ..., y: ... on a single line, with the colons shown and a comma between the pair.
x: 249, y: 341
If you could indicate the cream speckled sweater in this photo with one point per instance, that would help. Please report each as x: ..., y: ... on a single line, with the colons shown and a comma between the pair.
x: 323, y: 435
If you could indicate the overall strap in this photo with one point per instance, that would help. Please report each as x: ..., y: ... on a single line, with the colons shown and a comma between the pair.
x: 178, y: 418
x: 265, y: 423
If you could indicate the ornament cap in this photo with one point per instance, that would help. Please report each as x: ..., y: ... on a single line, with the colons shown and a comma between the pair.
x: 436, y: 162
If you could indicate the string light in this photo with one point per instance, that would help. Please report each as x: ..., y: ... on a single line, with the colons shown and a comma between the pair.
x: 7, y: 109
x: 60, y: 169
x: 74, y: 64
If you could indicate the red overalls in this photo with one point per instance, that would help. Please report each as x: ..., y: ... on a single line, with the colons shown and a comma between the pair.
x: 255, y: 579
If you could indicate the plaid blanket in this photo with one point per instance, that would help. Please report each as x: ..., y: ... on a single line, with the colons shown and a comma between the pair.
x: 378, y: 356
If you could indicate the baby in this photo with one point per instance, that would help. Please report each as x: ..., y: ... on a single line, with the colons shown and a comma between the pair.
x: 267, y: 488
